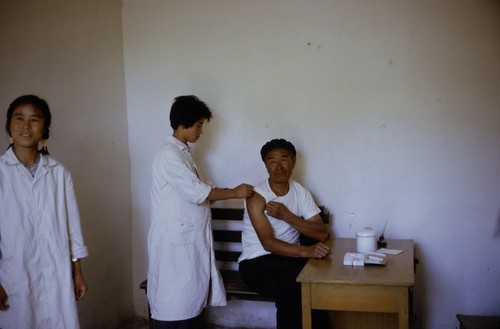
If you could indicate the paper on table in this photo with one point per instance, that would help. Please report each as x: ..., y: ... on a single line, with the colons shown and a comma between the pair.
x: 390, y: 251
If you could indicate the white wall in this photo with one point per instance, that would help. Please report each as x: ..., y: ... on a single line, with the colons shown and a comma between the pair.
x: 71, y: 54
x: 393, y: 106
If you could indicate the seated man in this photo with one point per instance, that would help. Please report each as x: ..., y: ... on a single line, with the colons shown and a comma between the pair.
x: 275, y: 216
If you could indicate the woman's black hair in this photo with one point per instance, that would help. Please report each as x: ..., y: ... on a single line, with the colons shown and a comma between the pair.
x: 38, y: 103
x: 187, y: 110
x: 277, y: 144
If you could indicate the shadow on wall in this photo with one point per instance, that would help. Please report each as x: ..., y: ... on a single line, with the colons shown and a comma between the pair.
x: 497, y: 230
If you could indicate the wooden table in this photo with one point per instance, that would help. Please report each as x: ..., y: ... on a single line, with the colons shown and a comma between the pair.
x: 327, y: 284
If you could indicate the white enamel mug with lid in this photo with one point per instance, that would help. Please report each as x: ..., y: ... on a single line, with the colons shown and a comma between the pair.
x: 366, y: 240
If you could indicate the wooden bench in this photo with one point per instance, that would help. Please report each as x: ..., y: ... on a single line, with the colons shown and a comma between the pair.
x: 227, y: 224
x: 478, y: 322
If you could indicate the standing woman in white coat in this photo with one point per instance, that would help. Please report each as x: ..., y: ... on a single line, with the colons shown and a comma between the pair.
x: 182, y: 274
x: 41, y: 243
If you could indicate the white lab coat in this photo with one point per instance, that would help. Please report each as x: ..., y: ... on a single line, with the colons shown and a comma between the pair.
x: 39, y: 234
x: 182, y: 274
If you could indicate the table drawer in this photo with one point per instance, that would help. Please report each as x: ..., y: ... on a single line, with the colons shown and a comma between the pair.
x: 359, y: 298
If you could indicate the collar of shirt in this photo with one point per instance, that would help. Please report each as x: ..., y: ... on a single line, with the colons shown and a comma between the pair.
x: 12, y: 160
x: 185, y: 148
x: 178, y: 143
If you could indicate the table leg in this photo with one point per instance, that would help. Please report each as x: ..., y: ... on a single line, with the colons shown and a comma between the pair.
x: 306, y: 306
x: 403, y: 310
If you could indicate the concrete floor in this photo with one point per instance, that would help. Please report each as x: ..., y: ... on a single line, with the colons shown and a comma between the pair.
x: 138, y: 322
x: 135, y: 322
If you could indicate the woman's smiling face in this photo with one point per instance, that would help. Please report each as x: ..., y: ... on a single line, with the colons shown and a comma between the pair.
x: 27, y: 126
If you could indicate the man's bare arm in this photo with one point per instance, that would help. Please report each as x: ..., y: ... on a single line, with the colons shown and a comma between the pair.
x: 313, y: 227
x: 256, y: 206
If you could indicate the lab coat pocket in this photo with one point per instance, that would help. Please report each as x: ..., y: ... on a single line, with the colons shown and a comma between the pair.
x: 183, y: 232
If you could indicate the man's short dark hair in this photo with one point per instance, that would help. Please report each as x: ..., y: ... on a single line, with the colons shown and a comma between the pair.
x: 277, y: 144
x: 187, y: 110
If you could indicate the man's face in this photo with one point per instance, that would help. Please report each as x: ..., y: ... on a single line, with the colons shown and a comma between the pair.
x: 279, y: 164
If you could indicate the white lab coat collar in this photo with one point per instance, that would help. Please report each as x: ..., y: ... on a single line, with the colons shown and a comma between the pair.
x: 178, y: 143
x: 45, y: 162
x: 12, y: 160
